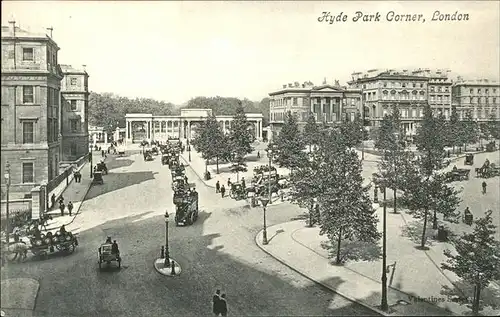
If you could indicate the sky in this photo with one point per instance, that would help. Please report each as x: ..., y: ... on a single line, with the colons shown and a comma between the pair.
x: 174, y: 51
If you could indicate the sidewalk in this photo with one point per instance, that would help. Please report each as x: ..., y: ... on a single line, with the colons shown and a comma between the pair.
x: 415, y: 283
x: 74, y: 192
x: 19, y: 296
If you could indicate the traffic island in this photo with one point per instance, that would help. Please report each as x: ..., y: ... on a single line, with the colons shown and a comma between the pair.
x: 172, y: 270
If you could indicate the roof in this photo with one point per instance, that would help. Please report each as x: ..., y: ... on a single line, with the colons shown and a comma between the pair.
x: 477, y: 82
x: 7, y: 34
x: 68, y: 69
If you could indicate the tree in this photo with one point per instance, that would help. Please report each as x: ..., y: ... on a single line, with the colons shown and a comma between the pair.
x: 289, y: 145
x: 477, y: 258
x: 240, y: 138
x: 493, y: 127
x: 238, y: 165
x: 453, y: 131
x: 470, y: 130
x: 210, y: 141
x: 390, y: 141
x: 346, y: 209
x: 310, y: 134
x: 353, y: 130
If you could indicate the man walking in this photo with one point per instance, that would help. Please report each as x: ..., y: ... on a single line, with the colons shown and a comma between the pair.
x: 484, y: 187
x: 223, y: 305
x: 61, y: 207
x: 215, y: 303
x: 217, y: 187
x: 222, y: 191
x: 70, y: 207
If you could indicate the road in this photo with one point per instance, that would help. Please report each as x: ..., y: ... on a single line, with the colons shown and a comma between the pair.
x: 218, y: 251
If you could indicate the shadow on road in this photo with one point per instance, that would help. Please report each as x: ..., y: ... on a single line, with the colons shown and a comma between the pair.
x: 115, y: 181
x: 120, y: 162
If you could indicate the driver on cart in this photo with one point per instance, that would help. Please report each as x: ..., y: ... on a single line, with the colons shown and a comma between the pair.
x: 108, y: 240
x: 114, y: 249
x: 454, y: 168
x: 62, y: 230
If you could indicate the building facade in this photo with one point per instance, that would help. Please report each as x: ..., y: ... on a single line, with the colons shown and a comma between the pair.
x: 31, y: 83
x: 481, y: 98
x: 328, y: 103
x: 145, y: 126
x: 408, y: 90
x: 74, y: 113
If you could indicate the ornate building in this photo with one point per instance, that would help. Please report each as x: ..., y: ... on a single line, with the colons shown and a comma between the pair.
x: 479, y: 97
x: 329, y: 103
x: 74, y: 110
x: 31, y: 81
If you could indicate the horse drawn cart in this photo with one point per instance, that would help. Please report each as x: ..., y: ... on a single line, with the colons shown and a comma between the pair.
x: 106, y: 255
x: 101, y: 167
x: 490, y: 170
x: 44, y: 244
x: 459, y: 174
x: 97, y: 178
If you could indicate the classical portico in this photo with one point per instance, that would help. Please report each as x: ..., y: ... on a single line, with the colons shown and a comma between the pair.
x: 142, y: 126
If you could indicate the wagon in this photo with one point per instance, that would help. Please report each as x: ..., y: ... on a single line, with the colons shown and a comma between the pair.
x: 105, y: 255
x: 97, y: 178
x: 469, y: 159
x: 458, y: 175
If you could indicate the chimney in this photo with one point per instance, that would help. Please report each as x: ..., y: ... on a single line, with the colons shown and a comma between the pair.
x: 12, y: 27
x: 290, y: 85
x: 284, y: 86
x: 50, y: 30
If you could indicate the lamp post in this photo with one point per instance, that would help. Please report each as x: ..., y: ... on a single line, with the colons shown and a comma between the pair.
x: 269, y: 151
x: 167, y: 253
x: 90, y: 160
x: 264, y: 202
x: 189, y: 151
x: 7, y: 185
x: 383, y: 304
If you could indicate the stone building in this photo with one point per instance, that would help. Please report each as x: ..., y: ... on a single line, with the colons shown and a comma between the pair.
x: 479, y: 97
x: 329, y: 103
x: 74, y: 110
x: 31, y: 82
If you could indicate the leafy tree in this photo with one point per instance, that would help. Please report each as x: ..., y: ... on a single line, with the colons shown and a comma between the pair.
x: 390, y: 141
x: 210, y: 141
x: 454, y: 128
x: 238, y: 165
x: 346, y: 209
x: 477, y: 258
x: 289, y: 145
x: 310, y: 134
x: 424, y: 193
x: 470, y: 130
x: 493, y: 127
x: 353, y: 131
x: 240, y: 138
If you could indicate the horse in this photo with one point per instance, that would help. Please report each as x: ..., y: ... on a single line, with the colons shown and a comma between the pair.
x: 19, y: 248
x: 42, y: 223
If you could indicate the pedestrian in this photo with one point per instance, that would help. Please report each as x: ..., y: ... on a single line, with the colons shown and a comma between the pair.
x: 61, y: 207
x: 61, y: 200
x: 70, y: 207
x: 484, y: 187
x: 215, y: 303
x: 53, y: 200
x: 223, y: 305
x: 222, y: 191
x: 258, y: 154
x: 217, y: 187
x: 229, y: 182
x: 243, y: 182
x: 103, y: 153
x: 449, y: 153
x: 79, y: 177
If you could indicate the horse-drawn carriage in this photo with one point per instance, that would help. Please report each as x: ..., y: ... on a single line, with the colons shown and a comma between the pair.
x: 178, y: 170
x: 121, y: 150
x: 263, y: 168
x: 178, y: 182
x: 148, y: 155
x: 491, y: 147
x: 186, y: 206
x: 97, y: 178
x: 44, y: 244
x: 106, y: 254
x: 165, y: 158
x: 488, y: 170
x: 469, y: 159
x: 457, y: 174
x: 238, y: 191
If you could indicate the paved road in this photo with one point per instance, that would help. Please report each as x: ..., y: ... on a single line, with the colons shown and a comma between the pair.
x: 216, y: 252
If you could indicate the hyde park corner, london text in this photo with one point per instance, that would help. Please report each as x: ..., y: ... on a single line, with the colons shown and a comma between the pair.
x: 392, y: 16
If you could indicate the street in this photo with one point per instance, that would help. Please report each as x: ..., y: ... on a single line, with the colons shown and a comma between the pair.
x: 217, y: 252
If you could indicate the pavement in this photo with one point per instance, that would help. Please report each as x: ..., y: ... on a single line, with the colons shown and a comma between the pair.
x: 159, y: 265
x: 18, y: 296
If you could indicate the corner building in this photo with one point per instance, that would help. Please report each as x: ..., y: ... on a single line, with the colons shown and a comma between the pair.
x: 31, y: 82
x: 480, y: 98
x: 329, y: 103
x: 74, y: 113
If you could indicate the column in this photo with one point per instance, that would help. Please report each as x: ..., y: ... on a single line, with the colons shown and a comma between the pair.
x: 256, y: 127
x: 331, y: 108
x: 323, y: 101
x: 224, y: 126
x: 105, y: 138
x: 260, y: 129
x: 149, y: 131
x: 128, y: 134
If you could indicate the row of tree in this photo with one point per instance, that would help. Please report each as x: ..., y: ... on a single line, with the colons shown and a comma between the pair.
x: 326, y: 171
x: 108, y: 110
x: 211, y: 141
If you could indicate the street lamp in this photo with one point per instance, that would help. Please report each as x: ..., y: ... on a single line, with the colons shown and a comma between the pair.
x: 384, y: 305
x: 167, y: 253
x: 189, y: 150
x: 269, y: 151
x: 7, y: 185
x: 264, y: 202
x: 90, y: 160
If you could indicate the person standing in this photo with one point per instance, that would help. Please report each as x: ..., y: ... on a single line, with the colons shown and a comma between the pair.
x: 61, y: 207
x: 484, y: 187
x: 216, y: 303
x: 70, y: 207
x: 222, y: 191
x: 61, y: 200
x: 223, y: 305
x: 53, y: 200
x: 217, y: 187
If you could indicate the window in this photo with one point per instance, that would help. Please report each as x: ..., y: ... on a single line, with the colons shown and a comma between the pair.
x: 28, y: 176
x: 487, y: 91
x: 28, y: 54
x: 385, y: 84
x: 471, y: 91
x: 28, y: 132
x: 28, y: 94
x: 414, y: 85
x: 439, y: 89
x: 494, y: 91
x: 73, y: 105
x: 72, y: 150
x: 479, y: 90
x: 73, y: 123
x: 73, y: 81
x: 432, y: 88
x: 494, y: 100
x: 403, y: 85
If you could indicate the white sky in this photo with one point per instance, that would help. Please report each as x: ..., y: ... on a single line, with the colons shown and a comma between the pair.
x: 173, y: 51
